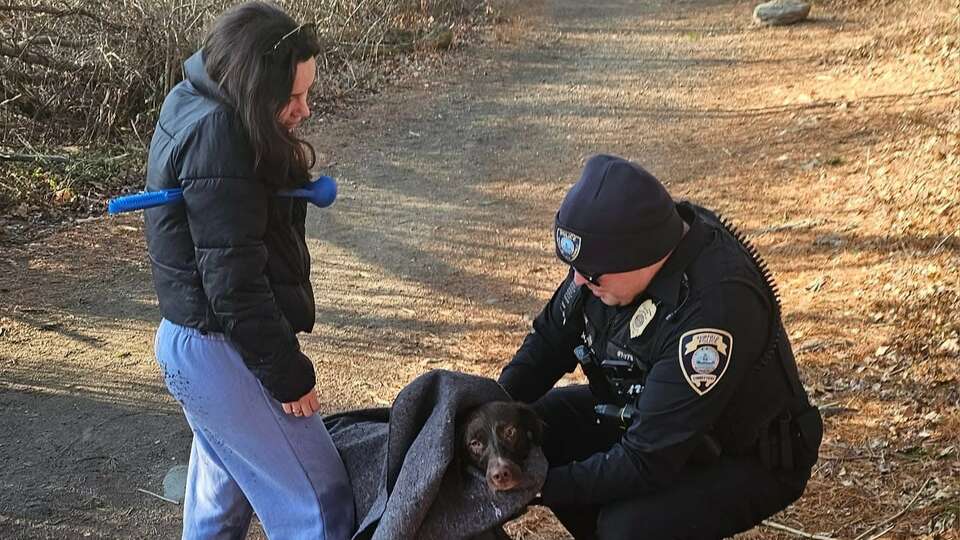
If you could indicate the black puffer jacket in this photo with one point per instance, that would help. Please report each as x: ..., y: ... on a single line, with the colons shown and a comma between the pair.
x: 231, y: 258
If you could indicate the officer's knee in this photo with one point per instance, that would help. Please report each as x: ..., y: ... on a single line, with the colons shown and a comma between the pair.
x: 645, y: 520
x: 619, y: 520
x: 795, y: 486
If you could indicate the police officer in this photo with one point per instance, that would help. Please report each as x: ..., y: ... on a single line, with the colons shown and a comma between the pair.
x: 694, y: 423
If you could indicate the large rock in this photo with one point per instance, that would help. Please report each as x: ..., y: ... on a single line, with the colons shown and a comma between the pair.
x: 781, y: 12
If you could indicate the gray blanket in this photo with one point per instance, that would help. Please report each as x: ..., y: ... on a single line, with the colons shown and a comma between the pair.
x: 406, y: 482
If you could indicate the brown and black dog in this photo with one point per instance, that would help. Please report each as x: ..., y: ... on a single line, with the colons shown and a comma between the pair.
x: 496, y: 438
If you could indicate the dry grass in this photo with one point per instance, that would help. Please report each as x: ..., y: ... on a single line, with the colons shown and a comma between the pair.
x: 96, y: 71
x: 81, y: 82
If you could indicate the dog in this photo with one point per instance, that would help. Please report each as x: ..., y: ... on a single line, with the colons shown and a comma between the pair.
x: 496, y: 438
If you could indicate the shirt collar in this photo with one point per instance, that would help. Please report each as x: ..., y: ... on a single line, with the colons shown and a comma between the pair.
x: 665, y: 285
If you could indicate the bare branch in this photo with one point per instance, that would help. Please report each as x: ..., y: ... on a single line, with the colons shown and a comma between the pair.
x: 23, y: 78
x: 51, y: 41
x: 26, y: 105
x: 47, y: 10
x: 38, y: 9
x: 29, y: 57
x: 33, y: 157
x: 10, y: 100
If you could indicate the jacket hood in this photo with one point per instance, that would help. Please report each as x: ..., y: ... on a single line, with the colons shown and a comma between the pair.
x: 196, y: 74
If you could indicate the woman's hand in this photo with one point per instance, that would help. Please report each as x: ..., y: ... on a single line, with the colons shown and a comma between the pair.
x: 305, y: 406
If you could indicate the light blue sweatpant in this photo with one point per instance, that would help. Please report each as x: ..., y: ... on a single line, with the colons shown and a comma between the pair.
x: 248, y: 455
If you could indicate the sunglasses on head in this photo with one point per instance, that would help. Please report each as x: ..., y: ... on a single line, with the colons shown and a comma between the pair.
x: 305, y: 27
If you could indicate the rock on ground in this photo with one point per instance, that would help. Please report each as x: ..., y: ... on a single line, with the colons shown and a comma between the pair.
x: 175, y: 483
x: 781, y: 12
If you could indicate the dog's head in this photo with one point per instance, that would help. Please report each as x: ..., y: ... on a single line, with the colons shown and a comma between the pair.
x: 496, y: 438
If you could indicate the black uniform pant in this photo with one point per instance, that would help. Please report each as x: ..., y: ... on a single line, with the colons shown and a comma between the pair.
x: 704, y: 502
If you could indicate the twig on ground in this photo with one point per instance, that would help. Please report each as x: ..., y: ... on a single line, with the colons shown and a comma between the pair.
x: 893, y: 517
x: 854, y: 457
x: 796, y: 224
x: 33, y: 157
x: 881, y: 533
x: 932, y: 251
x: 90, y: 458
x: 161, y: 497
x: 795, y: 532
x: 827, y: 412
x: 847, y: 525
x: 893, y: 372
x: 88, y: 219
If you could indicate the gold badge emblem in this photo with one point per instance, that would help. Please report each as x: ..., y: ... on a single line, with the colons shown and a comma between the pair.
x: 642, y: 318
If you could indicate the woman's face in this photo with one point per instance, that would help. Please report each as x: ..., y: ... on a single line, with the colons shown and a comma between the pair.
x: 297, y: 109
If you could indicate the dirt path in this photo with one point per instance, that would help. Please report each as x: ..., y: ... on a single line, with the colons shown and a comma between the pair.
x: 438, y: 253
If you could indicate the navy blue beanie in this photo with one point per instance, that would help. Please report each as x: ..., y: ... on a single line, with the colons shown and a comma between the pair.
x: 616, y: 218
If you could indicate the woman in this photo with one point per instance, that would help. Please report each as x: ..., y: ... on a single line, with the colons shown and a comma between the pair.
x: 232, y: 275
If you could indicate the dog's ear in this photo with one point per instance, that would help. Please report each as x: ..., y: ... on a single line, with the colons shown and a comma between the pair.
x: 460, y: 461
x: 531, y: 423
x: 460, y: 432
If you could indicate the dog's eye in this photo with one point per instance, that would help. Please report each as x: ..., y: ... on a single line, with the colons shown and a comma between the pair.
x: 510, y: 432
x: 476, y: 446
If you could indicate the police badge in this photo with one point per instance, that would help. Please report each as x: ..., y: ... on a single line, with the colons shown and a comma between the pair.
x: 704, y: 357
x: 568, y: 245
x: 642, y: 317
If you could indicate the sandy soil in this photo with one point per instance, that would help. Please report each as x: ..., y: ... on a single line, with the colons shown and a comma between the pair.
x: 834, y: 143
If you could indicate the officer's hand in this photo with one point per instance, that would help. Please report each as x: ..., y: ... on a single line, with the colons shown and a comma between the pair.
x: 305, y: 406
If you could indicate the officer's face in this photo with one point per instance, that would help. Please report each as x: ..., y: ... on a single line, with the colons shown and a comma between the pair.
x: 622, y: 288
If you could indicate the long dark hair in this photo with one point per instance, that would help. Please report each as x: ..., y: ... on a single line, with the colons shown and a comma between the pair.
x: 252, y: 52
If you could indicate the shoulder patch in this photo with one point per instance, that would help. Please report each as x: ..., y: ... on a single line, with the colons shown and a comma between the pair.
x: 642, y: 317
x: 704, y: 356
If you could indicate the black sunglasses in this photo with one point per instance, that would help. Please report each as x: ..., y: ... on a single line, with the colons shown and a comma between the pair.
x: 593, y: 279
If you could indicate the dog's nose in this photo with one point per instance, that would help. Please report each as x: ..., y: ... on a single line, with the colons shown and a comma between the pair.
x: 502, y: 475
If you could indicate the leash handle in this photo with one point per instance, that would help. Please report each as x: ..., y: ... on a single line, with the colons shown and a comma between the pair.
x: 139, y: 201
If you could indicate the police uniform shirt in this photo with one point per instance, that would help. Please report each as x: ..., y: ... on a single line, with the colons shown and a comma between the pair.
x: 699, y: 332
